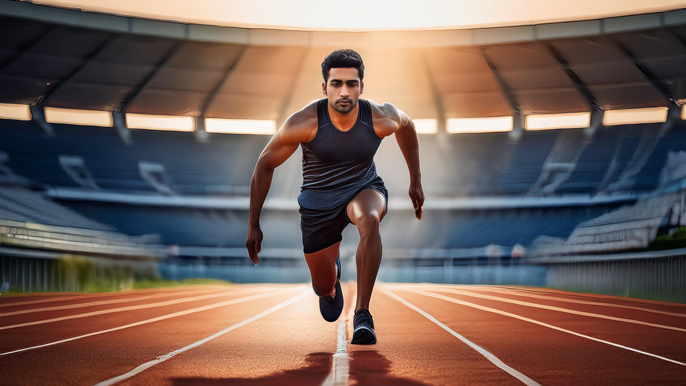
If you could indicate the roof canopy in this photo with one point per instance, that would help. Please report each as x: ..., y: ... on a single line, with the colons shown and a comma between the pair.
x: 63, y: 58
x: 364, y: 15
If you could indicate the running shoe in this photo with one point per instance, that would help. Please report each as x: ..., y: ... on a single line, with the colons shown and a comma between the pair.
x: 363, y: 328
x: 331, y: 306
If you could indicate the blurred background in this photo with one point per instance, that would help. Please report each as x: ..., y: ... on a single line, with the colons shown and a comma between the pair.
x: 553, y: 144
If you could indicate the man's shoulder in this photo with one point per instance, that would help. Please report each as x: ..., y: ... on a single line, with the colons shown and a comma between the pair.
x: 386, y: 110
x: 386, y: 116
x: 302, y: 123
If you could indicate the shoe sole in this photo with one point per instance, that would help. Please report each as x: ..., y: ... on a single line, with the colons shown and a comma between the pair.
x: 363, y: 335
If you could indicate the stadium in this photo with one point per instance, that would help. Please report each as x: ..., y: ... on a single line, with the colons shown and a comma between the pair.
x: 552, y: 159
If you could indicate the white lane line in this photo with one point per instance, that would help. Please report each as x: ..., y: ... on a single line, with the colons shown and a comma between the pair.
x: 521, y: 377
x: 339, y: 368
x: 515, y: 292
x: 91, y: 304
x: 551, y: 308
x: 596, y: 296
x: 152, y: 320
x: 124, y: 309
x: 62, y: 298
x: 170, y: 355
x: 567, y: 300
x: 496, y: 311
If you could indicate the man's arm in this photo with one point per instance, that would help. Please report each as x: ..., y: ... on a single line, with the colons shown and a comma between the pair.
x: 297, y: 128
x: 399, y: 123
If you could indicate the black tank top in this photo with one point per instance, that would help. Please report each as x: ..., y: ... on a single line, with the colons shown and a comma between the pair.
x: 337, y: 164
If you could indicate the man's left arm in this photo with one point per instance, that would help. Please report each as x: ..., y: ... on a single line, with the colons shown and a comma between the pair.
x: 406, y: 135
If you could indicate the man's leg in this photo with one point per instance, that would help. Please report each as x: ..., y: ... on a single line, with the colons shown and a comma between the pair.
x: 323, y: 269
x: 366, y: 211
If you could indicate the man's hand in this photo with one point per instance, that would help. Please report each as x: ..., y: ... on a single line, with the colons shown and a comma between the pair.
x: 417, y: 196
x: 254, y: 243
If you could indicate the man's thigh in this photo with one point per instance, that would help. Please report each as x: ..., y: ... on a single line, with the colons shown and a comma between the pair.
x: 367, y: 202
x: 321, y: 228
x: 322, y: 262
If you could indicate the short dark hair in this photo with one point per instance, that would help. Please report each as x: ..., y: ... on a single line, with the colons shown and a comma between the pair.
x: 342, y: 58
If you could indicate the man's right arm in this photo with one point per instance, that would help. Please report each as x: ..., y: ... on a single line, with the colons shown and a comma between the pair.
x: 297, y: 128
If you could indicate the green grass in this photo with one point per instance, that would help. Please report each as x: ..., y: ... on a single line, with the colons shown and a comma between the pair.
x: 92, y: 287
x: 144, y: 284
x: 673, y: 241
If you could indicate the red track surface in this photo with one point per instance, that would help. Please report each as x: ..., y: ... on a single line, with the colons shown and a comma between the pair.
x: 529, y: 330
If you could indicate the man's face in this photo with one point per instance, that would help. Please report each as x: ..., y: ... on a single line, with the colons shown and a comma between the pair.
x: 343, y: 88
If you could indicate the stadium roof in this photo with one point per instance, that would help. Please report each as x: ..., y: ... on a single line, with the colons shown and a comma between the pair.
x: 71, y: 59
x: 357, y: 15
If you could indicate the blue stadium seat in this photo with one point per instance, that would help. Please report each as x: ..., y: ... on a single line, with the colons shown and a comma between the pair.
x: 648, y: 178
x: 526, y: 161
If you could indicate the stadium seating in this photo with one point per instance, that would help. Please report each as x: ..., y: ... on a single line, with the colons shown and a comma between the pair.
x: 23, y: 205
x: 596, y: 158
x: 466, y: 165
x: 647, y: 178
x: 461, y: 165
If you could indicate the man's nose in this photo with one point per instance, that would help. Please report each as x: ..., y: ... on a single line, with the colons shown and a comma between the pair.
x: 344, y: 91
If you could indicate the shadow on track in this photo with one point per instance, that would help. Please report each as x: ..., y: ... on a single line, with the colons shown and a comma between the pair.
x: 372, y: 368
x: 313, y: 372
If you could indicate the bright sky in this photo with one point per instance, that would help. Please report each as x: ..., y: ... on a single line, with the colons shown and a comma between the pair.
x: 370, y: 14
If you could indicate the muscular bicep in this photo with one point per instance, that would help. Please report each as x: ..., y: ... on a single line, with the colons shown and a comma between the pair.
x: 390, y: 118
x: 297, y: 128
x: 278, y: 150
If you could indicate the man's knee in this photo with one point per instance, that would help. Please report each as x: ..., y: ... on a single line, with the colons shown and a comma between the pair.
x: 323, y: 288
x: 368, y: 222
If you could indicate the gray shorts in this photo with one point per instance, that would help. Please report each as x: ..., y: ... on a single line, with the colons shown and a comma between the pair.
x: 324, y: 228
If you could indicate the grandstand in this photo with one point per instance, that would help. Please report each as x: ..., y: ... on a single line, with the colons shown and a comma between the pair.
x: 520, y: 187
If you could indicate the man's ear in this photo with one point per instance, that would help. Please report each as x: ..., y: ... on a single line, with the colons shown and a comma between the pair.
x: 324, y: 88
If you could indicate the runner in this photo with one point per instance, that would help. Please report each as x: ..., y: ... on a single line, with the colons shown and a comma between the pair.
x: 339, y: 136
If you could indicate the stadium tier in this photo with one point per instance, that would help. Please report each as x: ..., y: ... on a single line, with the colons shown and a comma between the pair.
x: 193, y: 167
x: 191, y: 187
x: 460, y: 165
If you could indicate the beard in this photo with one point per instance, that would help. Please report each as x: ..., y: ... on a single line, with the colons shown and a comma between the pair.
x: 344, y: 109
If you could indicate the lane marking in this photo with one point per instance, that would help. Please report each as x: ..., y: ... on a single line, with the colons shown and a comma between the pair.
x: 520, y: 377
x: 566, y: 300
x: 597, y: 296
x: 496, y: 311
x: 340, y: 369
x: 90, y: 304
x: 172, y: 354
x: 552, y: 308
x: 152, y: 320
x: 62, y: 298
x: 513, y: 292
x: 124, y: 309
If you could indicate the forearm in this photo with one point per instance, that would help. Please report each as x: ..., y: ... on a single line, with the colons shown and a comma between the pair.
x: 259, y: 187
x: 409, y: 145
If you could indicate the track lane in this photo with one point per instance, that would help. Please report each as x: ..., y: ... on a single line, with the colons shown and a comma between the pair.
x: 551, y: 356
x: 30, y: 336
x: 412, y: 351
x: 292, y: 346
x: 661, y: 342
x: 25, y: 320
x: 644, y: 313
x: 31, y: 301
x: 45, y: 313
x: 638, y: 302
x: 620, y: 315
x: 91, y: 360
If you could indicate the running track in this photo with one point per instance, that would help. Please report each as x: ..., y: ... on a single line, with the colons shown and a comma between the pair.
x: 273, y: 335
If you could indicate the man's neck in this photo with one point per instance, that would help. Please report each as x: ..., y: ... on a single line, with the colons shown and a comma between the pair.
x: 343, y: 122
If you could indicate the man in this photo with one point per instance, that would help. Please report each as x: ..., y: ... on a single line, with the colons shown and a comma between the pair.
x: 339, y: 136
